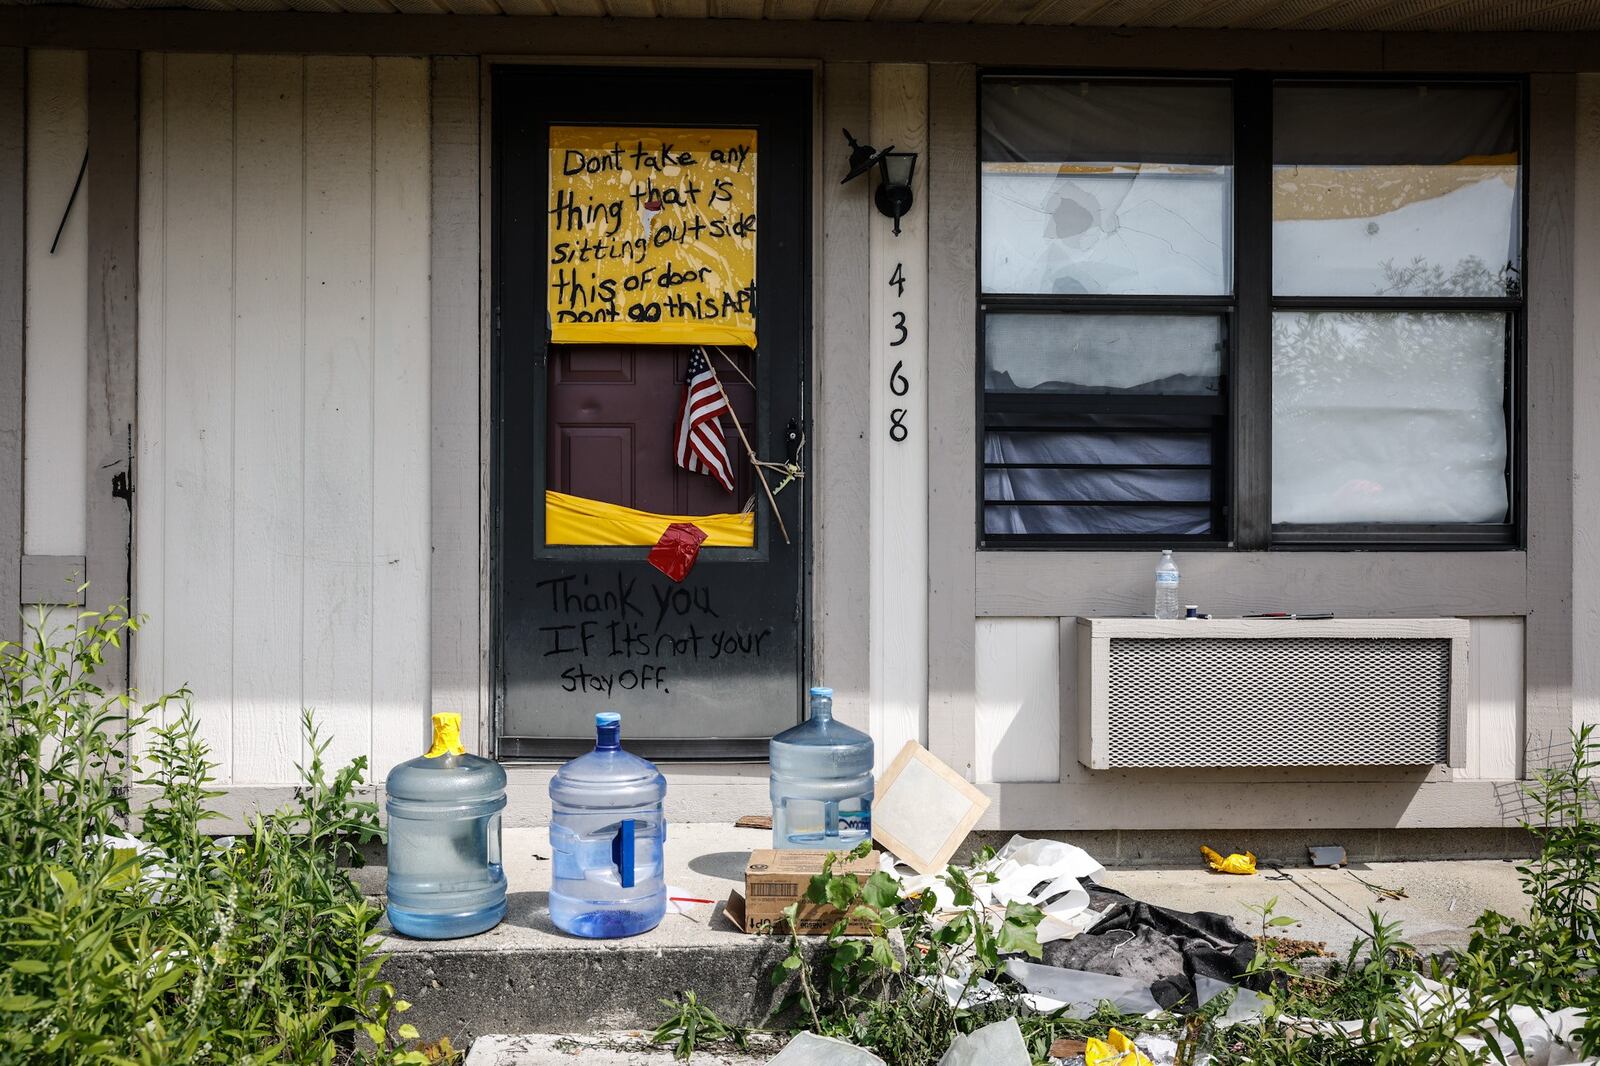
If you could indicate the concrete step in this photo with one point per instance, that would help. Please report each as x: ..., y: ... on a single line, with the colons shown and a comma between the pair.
x: 599, y: 1049
x: 526, y: 976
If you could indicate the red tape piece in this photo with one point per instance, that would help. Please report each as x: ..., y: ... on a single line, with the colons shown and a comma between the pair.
x: 675, y: 553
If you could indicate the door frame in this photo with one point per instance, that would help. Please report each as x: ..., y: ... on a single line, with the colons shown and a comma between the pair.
x: 490, y: 719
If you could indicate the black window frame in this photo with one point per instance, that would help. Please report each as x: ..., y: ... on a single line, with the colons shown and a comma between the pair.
x: 1241, y: 451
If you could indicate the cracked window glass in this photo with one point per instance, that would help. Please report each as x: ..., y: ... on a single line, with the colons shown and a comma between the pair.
x: 1107, y: 188
x: 1396, y: 190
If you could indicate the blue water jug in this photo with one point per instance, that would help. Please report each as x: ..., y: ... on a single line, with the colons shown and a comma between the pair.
x: 445, y: 879
x: 607, y: 828
x: 821, y: 782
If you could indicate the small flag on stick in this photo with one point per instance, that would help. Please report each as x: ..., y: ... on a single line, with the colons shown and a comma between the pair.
x: 702, y: 449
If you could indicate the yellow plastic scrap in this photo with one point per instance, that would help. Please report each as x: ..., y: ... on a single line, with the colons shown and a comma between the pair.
x: 1114, y: 1050
x: 1233, y: 864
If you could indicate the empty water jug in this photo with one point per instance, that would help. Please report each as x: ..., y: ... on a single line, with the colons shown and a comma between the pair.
x: 607, y: 828
x: 821, y: 781
x: 444, y: 807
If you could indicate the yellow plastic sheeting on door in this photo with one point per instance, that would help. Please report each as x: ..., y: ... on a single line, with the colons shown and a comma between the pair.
x: 577, y: 520
x: 652, y: 235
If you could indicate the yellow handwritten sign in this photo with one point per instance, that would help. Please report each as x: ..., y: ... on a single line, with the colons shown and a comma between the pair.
x: 652, y: 236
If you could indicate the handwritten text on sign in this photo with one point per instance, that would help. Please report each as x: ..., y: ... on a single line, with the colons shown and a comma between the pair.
x: 652, y: 235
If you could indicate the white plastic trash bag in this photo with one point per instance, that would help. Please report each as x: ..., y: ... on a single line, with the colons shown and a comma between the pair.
x: 1080, y: 990
x: 999, y: 1044
x: 1247, y: 1006
x: 809, y: 1049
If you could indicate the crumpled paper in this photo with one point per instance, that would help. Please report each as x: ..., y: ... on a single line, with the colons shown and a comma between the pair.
x: 1018, y: 868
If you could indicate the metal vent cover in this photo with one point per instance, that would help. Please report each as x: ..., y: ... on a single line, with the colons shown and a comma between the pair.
x: 1273, y: 699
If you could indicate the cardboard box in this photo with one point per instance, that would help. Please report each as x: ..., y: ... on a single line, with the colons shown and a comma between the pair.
x: 775, y: 879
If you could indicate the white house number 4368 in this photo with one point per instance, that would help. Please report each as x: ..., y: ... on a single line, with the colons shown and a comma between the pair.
x: 898, y: 385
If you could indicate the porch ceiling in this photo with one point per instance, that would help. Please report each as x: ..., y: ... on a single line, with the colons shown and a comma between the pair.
x: 1367, y: 15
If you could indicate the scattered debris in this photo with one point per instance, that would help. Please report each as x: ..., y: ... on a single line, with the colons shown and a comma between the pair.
x: 809, y: 1049
x: 1114, y: 1050
x: 1169, y: 950
x: 1080, y: 991
x: 923, y: 810
x: 1048, y: 874
x: 1329, y: 855
x: 1290, y: 949
x: 1234, y: 864
x: 754, y: 821
x: 999, y: 1044
x: 1381, y: 891
x: 1067, y: 1047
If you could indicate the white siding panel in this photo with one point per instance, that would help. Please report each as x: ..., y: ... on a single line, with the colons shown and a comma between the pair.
x: 898, y: 518
x: 338, y: 401
x: 1018, y: 725
x: 1495, y: 700
x: 55, y: 456
x: 268, y: 430
x: 401, y: 496
x: 199, y: 392
x: 282, y: 525
x: 149, y: 506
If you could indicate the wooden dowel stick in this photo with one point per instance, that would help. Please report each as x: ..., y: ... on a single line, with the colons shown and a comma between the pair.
x: 755, y: 462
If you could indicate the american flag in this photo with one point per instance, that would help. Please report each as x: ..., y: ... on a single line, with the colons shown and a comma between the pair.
x: 701, y: 445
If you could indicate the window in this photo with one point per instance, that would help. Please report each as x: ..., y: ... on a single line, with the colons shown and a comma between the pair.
x: 1199, y: 325
x: 1107, y: 269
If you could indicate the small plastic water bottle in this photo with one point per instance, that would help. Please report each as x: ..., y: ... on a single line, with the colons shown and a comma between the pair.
x: 1167, y: 587
x: 821, y: 782
x: 607, y: 828
x: 445, y: 879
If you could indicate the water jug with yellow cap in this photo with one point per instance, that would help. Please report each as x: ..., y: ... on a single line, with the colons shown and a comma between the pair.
x: 445, y: 879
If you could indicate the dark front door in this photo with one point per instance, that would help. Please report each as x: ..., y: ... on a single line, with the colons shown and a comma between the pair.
x: 712, y: 666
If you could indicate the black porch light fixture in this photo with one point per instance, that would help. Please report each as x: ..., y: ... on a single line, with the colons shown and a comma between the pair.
x: 895, y: 169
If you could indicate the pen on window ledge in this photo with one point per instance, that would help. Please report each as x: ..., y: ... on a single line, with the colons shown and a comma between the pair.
x: 1293, y: 617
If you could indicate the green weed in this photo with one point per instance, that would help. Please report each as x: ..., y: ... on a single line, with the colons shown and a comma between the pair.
x: 179, y: 946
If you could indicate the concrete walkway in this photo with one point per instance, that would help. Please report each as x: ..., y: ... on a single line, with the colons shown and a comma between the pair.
x: 1441, y: 901
x: 526, y: 976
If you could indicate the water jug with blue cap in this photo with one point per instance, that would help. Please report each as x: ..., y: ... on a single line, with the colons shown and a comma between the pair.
x: 821, y: 784
x: 445, y: 879
x: 607, y: 828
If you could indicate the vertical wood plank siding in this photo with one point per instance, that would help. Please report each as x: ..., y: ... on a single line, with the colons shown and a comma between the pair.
x: 455, y: 485
x: 1586, y: 398
x: 149, y: 503
x: 952, y: 414
x: 13, y: 282
x: 55, y: 391
x: 269, y: 306
x: 113, y: 291
x: 401, y: 403
x: 1549, y: 413
x: 840, y: 491
x: 283, y: 517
